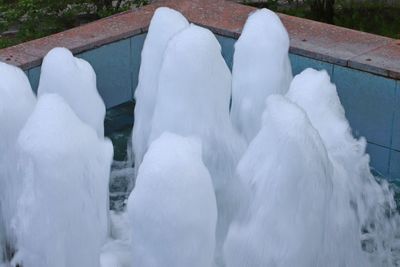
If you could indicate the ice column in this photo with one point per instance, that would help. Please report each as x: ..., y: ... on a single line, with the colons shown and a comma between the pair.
x: 172, y: 207
x: 75, y: 80
x: 163, y: 26
x: 16, y: 104
x: 364, y: 210
x: 64, y: 200
x: 289, y: 175
x: 193, y: 100
x: 261, y: 67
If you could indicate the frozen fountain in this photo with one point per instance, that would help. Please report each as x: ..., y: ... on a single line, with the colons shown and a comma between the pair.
x: 66, y: 210
x: 261, y: 68
x: 277, y: 180
x: 290, y: 181
x: 173, y: 173
x: 164, y: 24
x: 17, y: 102
x: 73, y: 79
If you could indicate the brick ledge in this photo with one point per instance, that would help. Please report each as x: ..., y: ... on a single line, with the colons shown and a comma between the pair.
x: 363, y: 51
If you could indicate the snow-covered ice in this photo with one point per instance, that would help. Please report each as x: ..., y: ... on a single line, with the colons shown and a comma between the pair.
x: 172, y: 208
x: 261, y: 67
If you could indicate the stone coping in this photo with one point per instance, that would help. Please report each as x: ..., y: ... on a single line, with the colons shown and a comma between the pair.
x: 363, y: 51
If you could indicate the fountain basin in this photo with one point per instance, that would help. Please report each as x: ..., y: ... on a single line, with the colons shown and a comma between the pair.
x: 365, y: 67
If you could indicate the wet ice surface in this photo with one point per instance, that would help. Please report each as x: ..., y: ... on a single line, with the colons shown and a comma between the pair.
x: 300, y: 194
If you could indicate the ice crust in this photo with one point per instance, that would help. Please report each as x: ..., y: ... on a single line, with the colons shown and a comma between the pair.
x: 64, y: 200
x: 261, y: 67
x: 164, y: 25
x: 75, y: 80
x: 172, y: 209
x: 16, y: 104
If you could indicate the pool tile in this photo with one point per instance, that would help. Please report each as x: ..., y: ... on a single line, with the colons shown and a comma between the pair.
x: 396, y: 121
x: 34, y: 77
x: 300, y: 63
x: 369, y: 102
x: 136, y: 52
x: 228, y: 48
x: 395, y: 165
x: 113, y: 69
x: 379, y: 159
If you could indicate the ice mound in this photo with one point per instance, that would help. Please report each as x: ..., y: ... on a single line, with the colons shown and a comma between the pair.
x: 75, y: 80
x: 193, y: 99
x: 62, y: 216
x: 16, y: 104
x: 261, y: 67
x: 364, y: 209
x: 289, y: 175
x: 163, y: 26
x: 172, y: 208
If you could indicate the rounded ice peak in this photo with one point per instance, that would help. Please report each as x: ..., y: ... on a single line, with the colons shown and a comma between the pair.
x: 285, y: 114
x: 46, y: 130
x: 166, y: 16
x: 16, y: 102
x: 313, y: 91
x: 75, y: 80
x: 195, y: 43
x: 264, y: 24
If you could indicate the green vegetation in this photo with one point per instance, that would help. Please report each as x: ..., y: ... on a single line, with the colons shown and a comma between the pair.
x: 375, y: 16
x: 23, y: 20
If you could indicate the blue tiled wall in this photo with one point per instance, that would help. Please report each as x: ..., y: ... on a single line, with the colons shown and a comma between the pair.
x: 112, y: 65
x: 395, y: 165
x: 372, y: 102
x: 369, y: 101
x: 379, y: 158
x: 136, y: 49
x: 228, y: 46
x: 300, y: 63
x: 34, y: 75
x: 116, y: 66
x: 396, y: 122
